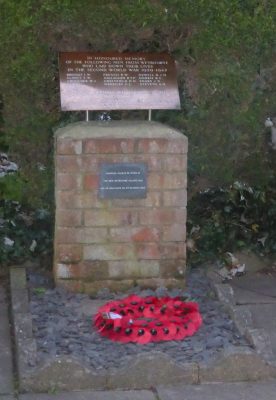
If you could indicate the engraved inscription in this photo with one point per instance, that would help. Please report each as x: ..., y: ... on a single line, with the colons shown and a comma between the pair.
x: 123, y: 181
x: 104, y: 81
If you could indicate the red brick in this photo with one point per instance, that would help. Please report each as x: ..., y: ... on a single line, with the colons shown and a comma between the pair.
x: 155, y: 181
x: 117, y: 251
x: 134, y: 234
x: 65, y: 199
x: 71, y: 285
x: 69, y: 199
x: 154, y: 162
x: 96, y: 270
x: 93, y: 287
x: 176, y: 180
x: 69, y: 218
x: 157, y: 216
x: 148, y: 251
x: 69, y: 235
x: 178, y: 146
x: 68, y: 163
x: 174, y: 268
x: 68, y: 253
x: 153, y: 199
x: 174, y: 233
x: 175, y: 163
x: 94, y: 235
x: 175, y: 198
x: 133, y: 269
x: 69, y: 146
x: 68, y: 181
x: 152, y: 145
x: 90, y: 146
x: 103, y: 217
x: 172, y: 250
x: 91, y: 182
x: 90, y: 163
x: 89, y: 200
x: 153, y: 283
x: 109, y: 145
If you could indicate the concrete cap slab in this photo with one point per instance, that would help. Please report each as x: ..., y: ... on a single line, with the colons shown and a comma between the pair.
x: 99, y: 395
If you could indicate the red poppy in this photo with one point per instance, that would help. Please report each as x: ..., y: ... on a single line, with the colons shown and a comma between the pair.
x: 149, y: 319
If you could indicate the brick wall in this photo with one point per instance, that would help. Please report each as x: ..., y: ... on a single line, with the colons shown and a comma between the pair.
x: 117, y: 243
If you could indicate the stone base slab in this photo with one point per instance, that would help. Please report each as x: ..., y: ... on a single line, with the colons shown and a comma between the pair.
x: 143, y: 371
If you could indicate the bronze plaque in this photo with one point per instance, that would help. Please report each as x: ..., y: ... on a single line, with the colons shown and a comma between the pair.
x: 117, y: 81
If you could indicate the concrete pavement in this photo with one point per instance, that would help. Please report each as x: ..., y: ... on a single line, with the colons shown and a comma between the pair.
x: 222, y: 391
x: 6, y: 372
x: 257, y: 295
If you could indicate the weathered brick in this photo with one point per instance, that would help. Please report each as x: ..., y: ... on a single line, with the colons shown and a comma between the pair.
x: 174, y: 268
x: 66, y: 253
x: 81, y: 235
x: 177, y: 146
x: 71, y: 285
x: 109, y: 146
x: 68, y: 163
x: 119, y: 251
x: 69, y: 218
x: 91, y: 182
x: 137, y: 234
x: 148, y: 251
x: 94, y: 287
x: 70, y: 199
x: 96, y: 270
x: 65, y: 199
x: 153, y: 199
x: 175, y: 232
x: 158, y: 216
x: 68, y: 181
x: 175, y: 198
x: 111, y: 217
x: 172, y: 250
x: 69, y: 235
x: 152, y: 145
x: 95, y: 235
x: 176, y: 180
x: 90, y: 163
x: 90, y: 146
x: 89, y: 199
x: 154, y: 162
x: 133, y: 269
x: 116, y: 242
x: 69, y: 146
x: 153, y: 283
x: 174, y: 163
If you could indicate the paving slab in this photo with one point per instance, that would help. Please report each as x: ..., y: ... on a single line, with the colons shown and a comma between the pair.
x: 91, y: 395
x: 264, y: 316
x: 254, y: 289
x: 6, y: 372
x: 223, y: 391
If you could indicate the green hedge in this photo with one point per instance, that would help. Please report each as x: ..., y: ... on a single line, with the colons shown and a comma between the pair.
x: 226, y: 60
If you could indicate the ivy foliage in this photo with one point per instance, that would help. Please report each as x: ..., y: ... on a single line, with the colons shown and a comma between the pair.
x: 230, y: 219
x: 225, y: 52
x: 24, y: 234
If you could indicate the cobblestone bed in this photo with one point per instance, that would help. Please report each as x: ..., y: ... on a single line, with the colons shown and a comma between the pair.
x: 61, y: 329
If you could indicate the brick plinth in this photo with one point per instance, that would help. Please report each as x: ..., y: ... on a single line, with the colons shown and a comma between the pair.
x: 118, y: 243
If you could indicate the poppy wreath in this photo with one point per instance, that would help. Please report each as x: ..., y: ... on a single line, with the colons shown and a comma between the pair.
x: 147, y: 319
